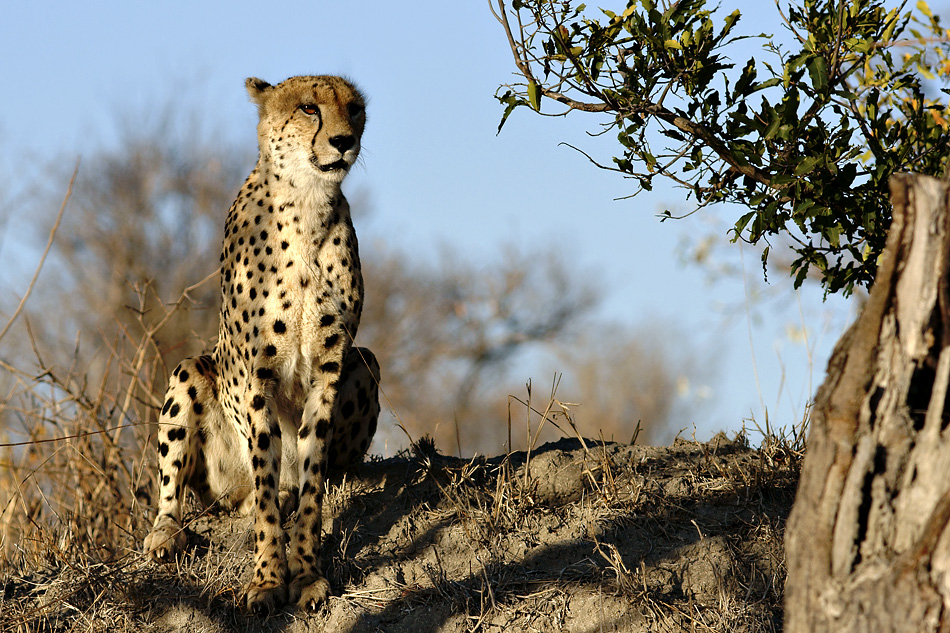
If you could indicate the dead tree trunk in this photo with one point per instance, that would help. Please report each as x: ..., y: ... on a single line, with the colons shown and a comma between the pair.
x: 868, y: 543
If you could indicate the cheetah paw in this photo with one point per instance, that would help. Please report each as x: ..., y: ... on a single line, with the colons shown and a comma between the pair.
x: 264, y: 597
x: 165, y: 540
x: 309, y: 591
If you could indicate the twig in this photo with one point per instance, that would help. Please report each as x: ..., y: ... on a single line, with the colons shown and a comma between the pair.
x: 49, y: 245
x: 69, y: 437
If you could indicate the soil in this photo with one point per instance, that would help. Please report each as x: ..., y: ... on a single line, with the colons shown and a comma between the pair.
x: 578, y: 536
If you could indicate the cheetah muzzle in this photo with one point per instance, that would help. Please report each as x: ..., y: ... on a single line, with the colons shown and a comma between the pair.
x: 285, y: 396
x: 340, y: 164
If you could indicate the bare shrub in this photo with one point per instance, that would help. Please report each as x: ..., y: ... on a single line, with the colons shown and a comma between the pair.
x: 446, y: 336
x: 145, y: 222
x: 633, y: 381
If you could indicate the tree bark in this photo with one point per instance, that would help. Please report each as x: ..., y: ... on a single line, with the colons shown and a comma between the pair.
x: 867, y: 542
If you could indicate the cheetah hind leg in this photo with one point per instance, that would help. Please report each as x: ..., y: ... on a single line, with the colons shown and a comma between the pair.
x: 357, y: 409
x: 181, y: 460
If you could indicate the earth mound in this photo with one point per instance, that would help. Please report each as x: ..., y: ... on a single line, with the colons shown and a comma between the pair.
x: 578, y: 535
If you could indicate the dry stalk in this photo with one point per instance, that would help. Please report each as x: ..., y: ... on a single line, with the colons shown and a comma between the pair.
x: 39, y: 266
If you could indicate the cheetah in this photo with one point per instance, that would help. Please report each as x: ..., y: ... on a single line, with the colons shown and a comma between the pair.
x: 285, y: 395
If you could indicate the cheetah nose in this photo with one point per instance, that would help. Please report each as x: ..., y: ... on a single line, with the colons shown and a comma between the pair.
x: 343, y: 142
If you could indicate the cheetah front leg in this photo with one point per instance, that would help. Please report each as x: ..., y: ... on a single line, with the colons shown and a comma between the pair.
x: 267, y: 588
x: 308, y: 587
x: 181, y: 461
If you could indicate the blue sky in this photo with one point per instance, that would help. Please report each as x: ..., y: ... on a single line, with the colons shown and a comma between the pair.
x: 436, y: 173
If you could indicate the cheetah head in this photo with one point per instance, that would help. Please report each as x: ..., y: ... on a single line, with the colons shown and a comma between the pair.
x: 310, y: 127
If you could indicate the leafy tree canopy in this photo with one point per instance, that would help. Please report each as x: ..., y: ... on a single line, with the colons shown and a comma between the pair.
x: 805, y: 136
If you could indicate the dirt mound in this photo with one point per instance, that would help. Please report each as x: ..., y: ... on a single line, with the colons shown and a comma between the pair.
x: 576, y: 536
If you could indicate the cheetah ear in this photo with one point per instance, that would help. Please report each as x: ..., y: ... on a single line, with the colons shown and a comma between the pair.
x: 257, y: 88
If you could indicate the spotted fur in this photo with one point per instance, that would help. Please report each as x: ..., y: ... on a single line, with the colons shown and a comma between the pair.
x: 285, y: 395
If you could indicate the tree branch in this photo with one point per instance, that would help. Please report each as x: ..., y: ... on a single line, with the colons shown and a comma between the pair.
x: 656, y: 110
x: 706, y: 136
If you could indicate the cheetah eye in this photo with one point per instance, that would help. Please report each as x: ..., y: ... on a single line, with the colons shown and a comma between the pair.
x: 355, y: 110
x: 309, y: 109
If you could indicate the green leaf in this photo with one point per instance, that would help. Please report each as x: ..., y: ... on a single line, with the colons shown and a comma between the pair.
x: 807, y: 164
x: 833, y: 233
x: 511, y: 102
x: 741, y: 224
x: 858, y: 46
x: 672, y: 44
x: 745, y: 80
x: 891, y: 20
x: 534, y: 96
x: 730, y: 21
x: 802, y: 209
x: 818, y: 70
x: 801, y: 275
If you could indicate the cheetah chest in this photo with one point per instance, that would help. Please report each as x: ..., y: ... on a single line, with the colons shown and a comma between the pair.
x: 293, y: 290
